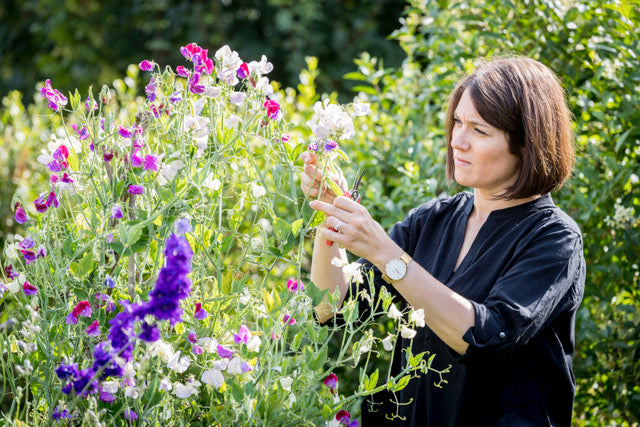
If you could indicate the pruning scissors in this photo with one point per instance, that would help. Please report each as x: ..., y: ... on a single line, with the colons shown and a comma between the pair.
x: 352, y: 194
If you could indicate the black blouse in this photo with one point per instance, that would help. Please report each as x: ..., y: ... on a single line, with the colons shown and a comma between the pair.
x: 524, y: 275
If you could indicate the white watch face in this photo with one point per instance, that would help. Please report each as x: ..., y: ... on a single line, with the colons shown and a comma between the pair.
x: 396, y: 269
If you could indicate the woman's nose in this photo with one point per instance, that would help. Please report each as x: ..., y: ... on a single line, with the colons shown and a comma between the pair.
x: 459, y: 140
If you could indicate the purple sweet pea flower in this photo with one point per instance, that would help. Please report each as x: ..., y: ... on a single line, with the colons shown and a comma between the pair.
x: 313, y: 146
x: 29, y: 289
x: 199, y: 312
x: 109, y: 283
x: 224, y: 352
x: 93, y: 330
x: 192, y: 337
x: 55, y: 98
x: 41, y: 204
x: 135, y: 189
x: 27, y: 243
x: 150, y: 333
x: 176, y: 97
x: 197, y: 350
x: 330, y: 145
x: 116, y: 213
x: 90, y: 104
x: 52, y: 200
x: 42, y: 252
x: 146, y: 65
x: 29, y: 255
x: 130, y: 415
x: 124, y: 132
x: 243, y: 71
x: 150, y: 90
x: 246, y: 367
x: 59, y: 414
x: 150, y: 163
x: 20, y: 215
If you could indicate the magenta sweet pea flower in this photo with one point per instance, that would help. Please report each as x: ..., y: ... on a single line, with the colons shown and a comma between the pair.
x: 182, y: 71
x: 150, y: 163
x: 41, y: 204
x: 313, y: 146
x: 29, y: 289
x: 93, y: 330
x: 294, y: 286
x: 124, y: 132
x: 146, y: 65
x: 273, y: 109
x: 52, y: 200
x: 116, y: 212
x: 83, y: 308
x: 331, y: 381
x: 224, y: 352
x: 190, y: 50
x: 107, y: 156
x: 344, y: 419
x: 136, y: 160
x: 20, y: 215
x: 243, y: 71
x: 66, y: 178
x: 55, y: 98
x: 90, y: 105
x: 199, y: 312
x: 288, y: 320
x: 135, y: 189
x: 243, y: 335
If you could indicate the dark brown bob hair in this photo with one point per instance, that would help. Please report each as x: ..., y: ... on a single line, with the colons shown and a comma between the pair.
x: 526, y: 100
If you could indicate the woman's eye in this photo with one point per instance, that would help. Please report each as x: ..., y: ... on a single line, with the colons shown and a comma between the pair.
x: 480, y: 132
x: 456, y: 121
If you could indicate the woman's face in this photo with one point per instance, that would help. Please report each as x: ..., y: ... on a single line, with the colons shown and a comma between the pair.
x: 481, y: 152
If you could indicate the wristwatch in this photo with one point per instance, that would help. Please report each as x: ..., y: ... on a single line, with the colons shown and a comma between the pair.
x: 396, y: 268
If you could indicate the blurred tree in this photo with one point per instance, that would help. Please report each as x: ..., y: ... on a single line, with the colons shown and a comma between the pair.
x: 79, y: 42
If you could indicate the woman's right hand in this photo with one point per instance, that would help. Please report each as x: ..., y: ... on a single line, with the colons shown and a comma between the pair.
x: 311, y: 180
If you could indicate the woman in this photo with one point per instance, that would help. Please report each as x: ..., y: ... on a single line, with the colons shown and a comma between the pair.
x: 499, y: 271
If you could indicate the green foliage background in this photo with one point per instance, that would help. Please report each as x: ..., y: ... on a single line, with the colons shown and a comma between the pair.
x: 593, y: 45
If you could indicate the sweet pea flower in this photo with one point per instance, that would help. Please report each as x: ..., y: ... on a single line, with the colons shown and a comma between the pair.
x: 83, y: 308
x: 273, y: 109
x: 90, y: 104
x: 387, y: 343
x: 213, y: 377
x: 55, y: 98
x: 288, y: 320
x: 313, y: 146
x: 41, y: 204
x: 149, y: 333
x: 108, y: 282
x: 224, y: 352
x: 150, y: 163
x: 146, y: 65
x: 135, y: 189
x: 20, y: 215
x: 182, y: 71
x: 237, y: 98
x: 331, y: 381
x: 29, y: 255
x: 344, y: 419
x: 394, y: 313
x: 29, y: 289
x: 294, y: 286
x: 176, y: 97
x: 124, y: 132
x: 136, y: 160
x: 258, y: 190
x: 27, y: 243
x: 184, y: 391
x: 178, y: 363
x: 199, y: 312
x: 150, y: 90
x: 116, y: 213
x: 417, y: 317
x: 407, y: 332
x: 60, y: 414
x: 361, y: 108
x: 243, y: 71
x: 130, y: 415
x: 93, y: 330
x: 52, y: 200
x: 231, y: 121
x: 329, y: 145
x: 243, y: 335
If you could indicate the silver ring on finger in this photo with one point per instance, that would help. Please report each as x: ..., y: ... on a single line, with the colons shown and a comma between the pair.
x: 338, y: 226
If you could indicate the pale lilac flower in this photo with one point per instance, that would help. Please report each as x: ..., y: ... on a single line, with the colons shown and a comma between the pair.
x: 361, y: 108
x: 237, y: 98
x: 213, y: 377
x: 183, y: 391
x: 116, y: 212
x: 231, y: 121
x: 330, y: 121
x: 243, y: 335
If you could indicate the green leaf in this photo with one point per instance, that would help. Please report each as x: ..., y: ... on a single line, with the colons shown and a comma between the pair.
x: 83, y: 267
x: 320, y: 359
x: 372, y: 381
x: 327, y: 413
x: 281, y: 228
x: 237, y: 392
x: 296, y: 226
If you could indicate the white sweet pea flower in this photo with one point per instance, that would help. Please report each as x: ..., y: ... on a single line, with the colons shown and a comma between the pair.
x: 394, y: 313
x: 258, y: 190
x: 210, y: 345
x: 237, y: 98
x: 11, y: 252
x: 110, y: 386
x: 330, y: 120
x: 162, y: 349
x: 234, y: 367
x: 260, y: 68
x: 286, y: 383
x: 169, y: 170
x: 264, y: 85
x: 387, y: 343
x: 131, y: 391
x: 245, y: 297
x: 338, y: 262
x: 417, y: 317
x: 254, y: 343
x: 212, y: 183
x: 353, y: 272
x: 213, y: 377
x: 221, y: 364
x: 361, y: 108
x: 407, y: 332
x: 177, y: 363
x: 231, y: 121
x: 165, y: 384
x: 228, y: 63
x: 185, y: 391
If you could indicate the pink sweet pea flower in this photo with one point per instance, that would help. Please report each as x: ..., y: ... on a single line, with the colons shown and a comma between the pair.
x: 146, y: 65
x: 135, y: 189
x: 192, y: 337
x: 182, y: 71
x: 243, y: 335
x: 29, y: 289
x: 93, y: 330
x: 273, y: 109
x: 20, y: 215
x: 344, y: 419
x: 83, y: 308
x: 294, y: 286
x: 55, y: 98
x: 61, y: 153
x: 136, y: 160
x: 288, y: 320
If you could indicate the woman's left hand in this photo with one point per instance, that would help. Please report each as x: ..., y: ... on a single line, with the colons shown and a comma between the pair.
x: 357, y: 231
